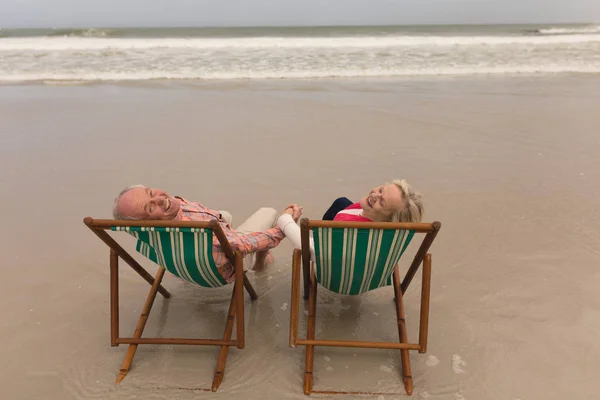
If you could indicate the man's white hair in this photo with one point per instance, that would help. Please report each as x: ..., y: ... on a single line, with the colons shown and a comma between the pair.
x: 116, y: 213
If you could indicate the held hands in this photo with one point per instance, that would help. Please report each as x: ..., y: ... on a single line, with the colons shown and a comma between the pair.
x: 294, y: 210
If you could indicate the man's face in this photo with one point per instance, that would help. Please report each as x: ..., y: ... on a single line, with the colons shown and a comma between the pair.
x: 381, y: 202
x: 147, y: 203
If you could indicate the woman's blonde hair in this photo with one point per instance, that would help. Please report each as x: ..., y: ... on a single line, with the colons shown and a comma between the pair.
x: 413, y: 204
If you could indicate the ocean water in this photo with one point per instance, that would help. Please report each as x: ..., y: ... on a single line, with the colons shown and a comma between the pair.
x: 95, y: 54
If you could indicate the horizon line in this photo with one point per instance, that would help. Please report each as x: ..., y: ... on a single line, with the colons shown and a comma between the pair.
x: 293, y: 26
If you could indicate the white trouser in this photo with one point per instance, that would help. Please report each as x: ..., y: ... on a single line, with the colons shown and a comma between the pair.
x: 263, y: 219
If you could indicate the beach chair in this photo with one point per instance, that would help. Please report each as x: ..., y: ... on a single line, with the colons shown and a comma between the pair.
x: 352, y: 258
x: 185, y: 249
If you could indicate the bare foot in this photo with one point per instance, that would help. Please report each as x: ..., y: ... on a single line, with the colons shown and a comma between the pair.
x: 263, y: 258
x: 270, y: 259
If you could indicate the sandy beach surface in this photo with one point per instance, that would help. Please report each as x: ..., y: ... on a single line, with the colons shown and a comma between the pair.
x: 509, y: 165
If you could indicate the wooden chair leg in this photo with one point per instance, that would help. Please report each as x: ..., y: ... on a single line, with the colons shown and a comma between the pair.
x: 114, y: 298
x: 425, y: 296
x: 110, y: 242
x: 307, y: 264
x: 220, y: 370
x: 396, y: 288
x: 404, y: 355
x: 141, y: 324
x: 250, y: 288
x: 238, y: 293
x: 295, y: 300
x: 414, y: 266
x: 310, y: 334
x: 306, y: 279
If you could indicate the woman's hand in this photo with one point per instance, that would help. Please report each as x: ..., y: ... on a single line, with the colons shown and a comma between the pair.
x: 294, y: 210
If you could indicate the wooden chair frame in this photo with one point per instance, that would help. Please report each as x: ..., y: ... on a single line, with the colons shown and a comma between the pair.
x: 310, y: 292
x: 236, y: 306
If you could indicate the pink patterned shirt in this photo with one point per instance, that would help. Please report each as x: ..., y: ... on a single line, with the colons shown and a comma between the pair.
x: 243, y: 242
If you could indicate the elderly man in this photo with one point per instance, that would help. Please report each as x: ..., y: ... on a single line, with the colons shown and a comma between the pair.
x: 255, y: 235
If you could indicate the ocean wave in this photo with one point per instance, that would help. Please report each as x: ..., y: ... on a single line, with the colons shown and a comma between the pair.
x: 77, y: 58
x: 87, y: 76
x: 568, y: 31
x: 87, y: 43
x: 85, y: 33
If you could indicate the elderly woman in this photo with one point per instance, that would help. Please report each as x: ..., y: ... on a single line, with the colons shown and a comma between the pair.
x: 391, y: 202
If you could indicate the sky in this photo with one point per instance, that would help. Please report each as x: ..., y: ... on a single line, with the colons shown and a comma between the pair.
x: 154, y: 13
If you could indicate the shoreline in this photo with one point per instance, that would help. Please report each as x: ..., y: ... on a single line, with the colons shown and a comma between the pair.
x: 330, y: 79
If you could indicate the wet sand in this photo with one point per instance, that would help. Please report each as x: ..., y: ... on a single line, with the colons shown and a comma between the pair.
x: 509, y: 165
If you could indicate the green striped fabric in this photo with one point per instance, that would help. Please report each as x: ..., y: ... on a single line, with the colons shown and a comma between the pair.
x: 185, y: 252
x: 354, y: 261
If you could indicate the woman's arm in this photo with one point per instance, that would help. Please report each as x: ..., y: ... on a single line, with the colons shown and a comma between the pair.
x: 292, y: 232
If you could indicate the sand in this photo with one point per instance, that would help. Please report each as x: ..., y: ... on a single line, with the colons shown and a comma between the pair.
x: 508, y: 165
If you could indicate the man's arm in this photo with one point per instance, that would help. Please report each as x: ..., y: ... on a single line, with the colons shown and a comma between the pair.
x: 256, y: 241
x: 260, y: 241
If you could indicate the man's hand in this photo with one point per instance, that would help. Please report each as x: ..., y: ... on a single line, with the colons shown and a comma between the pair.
x: 294, y: 210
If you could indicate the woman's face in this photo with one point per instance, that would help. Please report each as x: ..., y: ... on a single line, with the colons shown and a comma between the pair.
x: 381, y: 202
